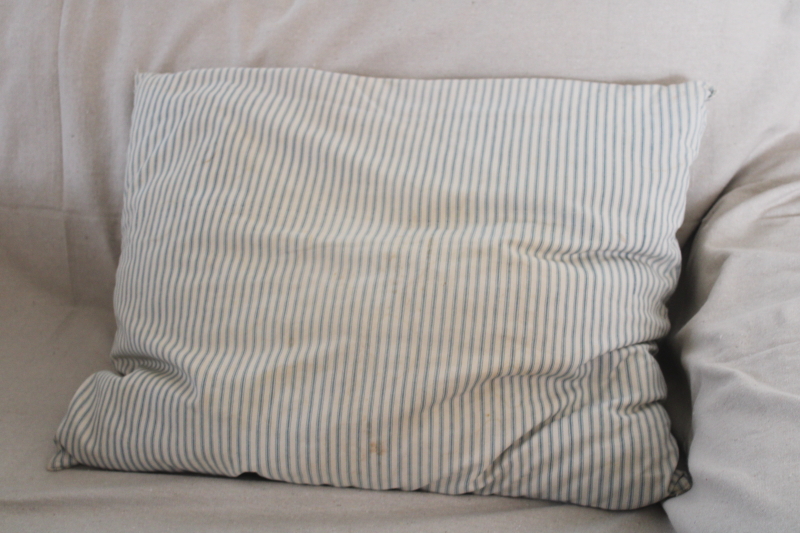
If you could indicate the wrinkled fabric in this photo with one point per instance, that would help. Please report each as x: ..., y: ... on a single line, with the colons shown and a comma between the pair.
x: 67, y: 85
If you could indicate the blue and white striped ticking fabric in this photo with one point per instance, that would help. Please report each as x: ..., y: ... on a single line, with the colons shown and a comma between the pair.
x: 446, y: 285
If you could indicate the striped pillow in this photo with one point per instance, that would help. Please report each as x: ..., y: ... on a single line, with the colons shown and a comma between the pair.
x: 445, y: 285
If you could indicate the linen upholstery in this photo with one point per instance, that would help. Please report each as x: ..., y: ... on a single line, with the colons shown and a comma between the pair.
x: 67, y: 85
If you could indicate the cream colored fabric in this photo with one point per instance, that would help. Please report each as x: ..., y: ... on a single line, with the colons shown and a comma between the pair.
x: 66, y: 75
x: 443, y: 285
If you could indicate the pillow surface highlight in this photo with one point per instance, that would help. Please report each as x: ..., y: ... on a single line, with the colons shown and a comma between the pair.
x: 445, y: 285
